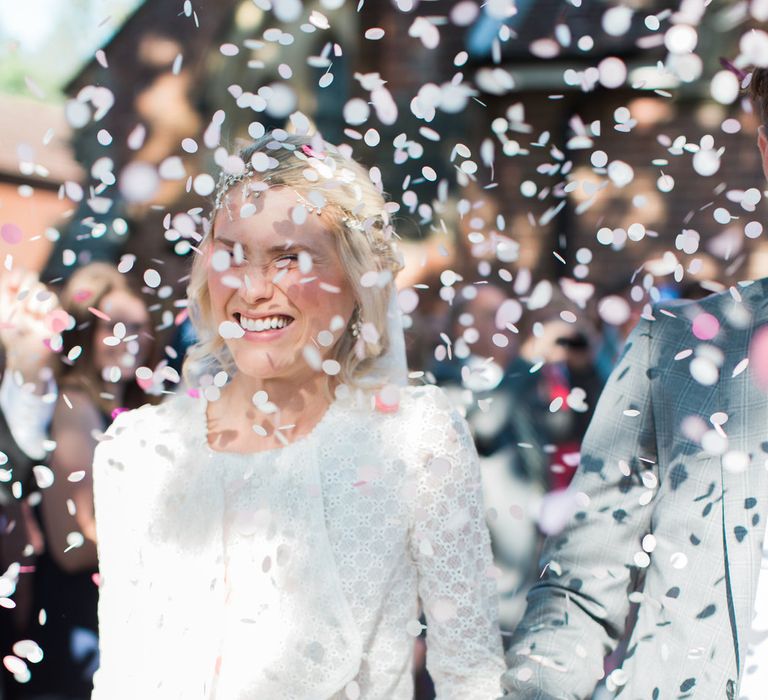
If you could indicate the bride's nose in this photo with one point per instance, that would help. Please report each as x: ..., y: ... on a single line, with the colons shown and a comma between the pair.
x: 256, y: 285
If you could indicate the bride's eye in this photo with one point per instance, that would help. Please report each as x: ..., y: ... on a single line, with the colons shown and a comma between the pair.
x: 286, y: 260
x: 238, y: 256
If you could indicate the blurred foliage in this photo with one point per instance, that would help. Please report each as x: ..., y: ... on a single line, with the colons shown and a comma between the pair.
x: 44, y: 43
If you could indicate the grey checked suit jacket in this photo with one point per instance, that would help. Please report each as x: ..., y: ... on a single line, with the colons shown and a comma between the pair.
x: 645, y: 469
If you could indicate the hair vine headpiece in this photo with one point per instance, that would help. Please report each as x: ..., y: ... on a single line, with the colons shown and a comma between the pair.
x: 375, y: 229
x: 229, y: 180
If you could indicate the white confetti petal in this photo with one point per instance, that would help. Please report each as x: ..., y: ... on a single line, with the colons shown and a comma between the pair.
x: 230, y: 330
x: 331, y: 367
x: 138, y: 182
x: 44, y: 476
x: 204, y: 184
x: 152, y: 278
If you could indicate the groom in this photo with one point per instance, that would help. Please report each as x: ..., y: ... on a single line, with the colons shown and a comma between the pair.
x: 672, y: 511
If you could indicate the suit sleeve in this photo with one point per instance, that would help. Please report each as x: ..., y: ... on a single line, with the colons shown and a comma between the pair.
x: 577, y: 611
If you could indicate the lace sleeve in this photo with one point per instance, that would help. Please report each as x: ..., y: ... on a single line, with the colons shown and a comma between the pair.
x: 119, y: 559
x: 451, y: 546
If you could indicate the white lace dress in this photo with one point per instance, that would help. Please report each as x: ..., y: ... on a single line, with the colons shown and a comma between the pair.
x: 295, y: 573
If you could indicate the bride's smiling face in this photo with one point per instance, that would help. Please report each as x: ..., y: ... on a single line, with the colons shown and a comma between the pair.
x: 259, y: 279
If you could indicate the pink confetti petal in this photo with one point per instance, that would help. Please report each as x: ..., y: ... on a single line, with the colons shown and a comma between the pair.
x: 181, y: 317
x: 58, y: 320
x: 99, y: 314
x: 758, y: 357
x: 384, y: 407
x: 13, y: 664
x: 557, y: 507
x: 11, y: 234
x: 145, y: 384
x: 309, y: 151
x: 388, y: 400
x: 705, y: 326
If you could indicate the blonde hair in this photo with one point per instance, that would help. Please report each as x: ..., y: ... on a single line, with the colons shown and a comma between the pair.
x: 354, y: 210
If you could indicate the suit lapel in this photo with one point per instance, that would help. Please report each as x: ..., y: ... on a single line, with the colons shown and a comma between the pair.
x: 743, y: 467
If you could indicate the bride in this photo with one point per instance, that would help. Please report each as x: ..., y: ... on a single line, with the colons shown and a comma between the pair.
x: 276, y: 531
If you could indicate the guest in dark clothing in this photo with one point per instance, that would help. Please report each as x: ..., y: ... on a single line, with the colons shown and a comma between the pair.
x: 182, y: 340
x: 14, y: 561
x: 572, y: 375
x: 26, y: 311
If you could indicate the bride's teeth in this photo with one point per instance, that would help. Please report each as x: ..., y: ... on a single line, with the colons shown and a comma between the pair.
x: 263, y: 324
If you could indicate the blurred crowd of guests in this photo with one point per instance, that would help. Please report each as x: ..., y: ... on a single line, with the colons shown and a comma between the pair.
x: 528, y: 397
x: 69, y: 365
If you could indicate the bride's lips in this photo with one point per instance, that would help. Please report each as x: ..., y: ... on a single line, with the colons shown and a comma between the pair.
x: 263, y: 327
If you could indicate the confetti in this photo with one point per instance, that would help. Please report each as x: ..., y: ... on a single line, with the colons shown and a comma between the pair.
x: 204, y: 184
x: 152, y: 278
x: 11, y: 234
x: 705, y: 326
x: 44, y: 476
x: 413, y: 628
x: 577, y: 218
x: 704, y: 371
x: 612, y: 72
x: 325, y: 338
x: 331, y: 367
x: 230, y: 330
x: 14, y: 664
x: 29, y: 650
x: 138, y: 182
x: 758, y: 357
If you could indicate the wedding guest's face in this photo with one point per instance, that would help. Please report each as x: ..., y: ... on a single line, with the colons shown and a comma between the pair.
x: 282, y: 283
x: 124, y: 308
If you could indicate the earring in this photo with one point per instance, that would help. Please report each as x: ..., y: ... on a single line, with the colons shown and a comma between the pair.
x: 355, y: 324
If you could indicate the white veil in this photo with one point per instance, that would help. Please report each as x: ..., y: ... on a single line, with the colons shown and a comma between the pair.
x: 395, y: 360
x: 391, y: 367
